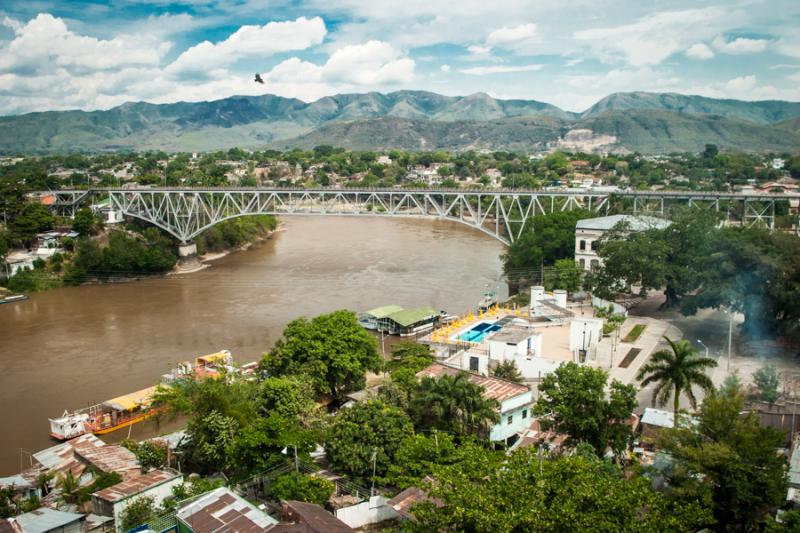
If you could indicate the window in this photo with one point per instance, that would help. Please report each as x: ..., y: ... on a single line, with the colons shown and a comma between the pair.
x: 595, y: 263
x: 524, y: 414
x: 583, y: 245
x: 582, y: 262
x: 510, y: 419
x: 473, y: 364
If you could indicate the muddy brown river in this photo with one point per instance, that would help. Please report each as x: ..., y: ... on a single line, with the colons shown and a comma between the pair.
x: 71, y: 347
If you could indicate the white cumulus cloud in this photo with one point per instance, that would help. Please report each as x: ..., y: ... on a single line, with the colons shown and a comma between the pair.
x: 249, y: 42
x: 500, y: 69
x: 519, y: 38
x: 653, y: 38
x: 740, y: 45
x: 699, y: 51
x: 371, y: 64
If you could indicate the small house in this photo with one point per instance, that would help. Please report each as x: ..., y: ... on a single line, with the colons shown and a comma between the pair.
x: 222, y: 510
x: 46, y: 520
x: 156, y: 484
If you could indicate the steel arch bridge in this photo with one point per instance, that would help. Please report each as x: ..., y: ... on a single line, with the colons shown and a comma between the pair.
x: 502, y: 214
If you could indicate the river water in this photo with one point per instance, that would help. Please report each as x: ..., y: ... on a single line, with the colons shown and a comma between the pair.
x: 71, y: 347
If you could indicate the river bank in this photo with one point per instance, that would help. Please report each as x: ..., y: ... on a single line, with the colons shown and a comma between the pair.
x: 73, y: 346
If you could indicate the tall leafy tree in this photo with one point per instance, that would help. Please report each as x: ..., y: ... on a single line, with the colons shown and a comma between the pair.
x: 529, y: 493
x: 508, y: 370
x: 733, y: 457
x: 332, y: 350
x: 366, y: 436
x: 454, y: 404
x: 573, y: 402
x: 676, y: 371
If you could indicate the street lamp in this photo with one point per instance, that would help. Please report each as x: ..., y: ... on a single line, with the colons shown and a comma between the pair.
x: 704, y: 346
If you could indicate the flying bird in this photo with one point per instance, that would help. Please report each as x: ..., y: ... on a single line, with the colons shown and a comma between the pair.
x: 258, y: 78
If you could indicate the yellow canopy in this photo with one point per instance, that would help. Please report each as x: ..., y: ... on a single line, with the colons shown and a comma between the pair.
x: 213, y: 358
x: 131, y: 401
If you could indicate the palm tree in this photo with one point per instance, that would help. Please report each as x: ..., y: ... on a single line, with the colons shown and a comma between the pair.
x: 676, y: 371
x: 69, y: 485
x: 453, y: 403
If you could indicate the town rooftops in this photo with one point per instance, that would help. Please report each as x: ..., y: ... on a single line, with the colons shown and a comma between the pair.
x: 408, y: 317
x: 222, y: 511
x: 111, y: 458
x: 315, y: 518
x: 637, y: 223
x: 45, y: 519
x: 493, y: 388
x: 61, y: 458
x: 403, y: 502
x: 512, y: 335
x: 383, y: 312
x: 658, y: 418
x: 136, y: 485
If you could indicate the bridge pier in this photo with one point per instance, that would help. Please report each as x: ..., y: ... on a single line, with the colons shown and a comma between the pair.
x: 187, y: 257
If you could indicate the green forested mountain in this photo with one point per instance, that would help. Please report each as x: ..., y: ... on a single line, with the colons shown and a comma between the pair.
x: 415, y: 120
x: 764, y: 112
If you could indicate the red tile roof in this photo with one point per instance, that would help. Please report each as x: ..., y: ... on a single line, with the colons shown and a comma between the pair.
x: 494, y: 388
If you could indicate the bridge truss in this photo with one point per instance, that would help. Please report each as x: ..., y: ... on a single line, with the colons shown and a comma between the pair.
x: 503, y: 214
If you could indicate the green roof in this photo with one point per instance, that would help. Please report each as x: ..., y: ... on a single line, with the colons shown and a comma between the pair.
x: 383, y: 312
x: 408, y: 317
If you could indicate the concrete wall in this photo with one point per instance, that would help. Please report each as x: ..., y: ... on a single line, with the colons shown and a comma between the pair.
x: 591, y: 327
x: 372, y: 511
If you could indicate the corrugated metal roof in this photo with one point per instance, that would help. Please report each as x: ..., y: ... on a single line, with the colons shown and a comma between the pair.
x: 60, y: 458
x: 407, y: 317
x: 314, y: 516
x: 17, y: 481
x: 111, y: 458
x: 221, y: 510
x: 383, y: 312
x: 493, y: 388
x: 45, y: 519
x: 658, y: 417
x: 637, y: 223
x: 136, y: 485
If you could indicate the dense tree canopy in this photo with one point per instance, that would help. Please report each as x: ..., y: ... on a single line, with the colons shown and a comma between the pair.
x: 452, y: 404
x: 577, y: 493
x: 366, y: 436
x: 734, y: 458
x: 333, y: 350
x: 573, y: 401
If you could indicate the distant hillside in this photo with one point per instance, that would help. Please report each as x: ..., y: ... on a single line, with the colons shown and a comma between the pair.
x: 414, y: 120
x: 518, y: 133
x: 646, y: 131
x: 763, y: 112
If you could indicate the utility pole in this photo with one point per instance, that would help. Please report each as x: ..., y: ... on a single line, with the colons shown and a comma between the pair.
x: 730, y: 336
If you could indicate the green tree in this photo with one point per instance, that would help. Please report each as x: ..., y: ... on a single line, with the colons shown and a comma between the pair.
x: 676, y: 371
x: 302, y: 487
x: 69, y: 486
x: 139, y: 511
x: 734, y: 457
x: 365, y: 429
x: 767, y: 380
x: 508, y: 370
x: 84, y: 222
x: 33, y: 219
x: 149, y: 454
x: 421, y: 456
x: 290, y: 397
x: 572, y: 401
x: 527, y: 493
x: 566, y: 275
x: 333, y: 350
x: 544, y: 240
x: 453, y: 404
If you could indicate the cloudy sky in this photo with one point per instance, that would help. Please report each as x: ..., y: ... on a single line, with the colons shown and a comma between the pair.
x: 86, y: 54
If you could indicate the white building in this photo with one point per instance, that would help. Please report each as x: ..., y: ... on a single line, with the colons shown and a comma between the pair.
x: 18, y: 260
x: 590, y: 230
x: 515, y: 400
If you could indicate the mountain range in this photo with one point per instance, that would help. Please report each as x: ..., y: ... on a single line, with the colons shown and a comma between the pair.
x: 413, y: 120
